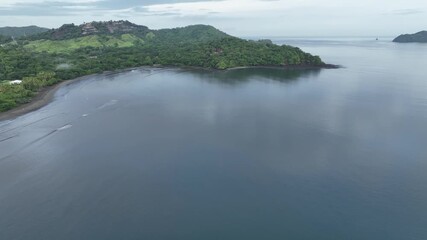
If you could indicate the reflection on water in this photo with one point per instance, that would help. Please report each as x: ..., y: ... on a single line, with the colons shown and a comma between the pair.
x: 241, y: 154
x: 238, y: 76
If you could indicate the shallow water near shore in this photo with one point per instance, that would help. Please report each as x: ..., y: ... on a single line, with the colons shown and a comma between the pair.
x: 242, y: 154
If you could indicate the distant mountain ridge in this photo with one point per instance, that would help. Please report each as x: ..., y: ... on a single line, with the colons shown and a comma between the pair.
x: 419, y: 37
x: 21, y: 31
x: 69, y: 31
x: 117, y: 28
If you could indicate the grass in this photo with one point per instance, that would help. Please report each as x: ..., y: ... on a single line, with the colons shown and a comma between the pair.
x: 64, y: 46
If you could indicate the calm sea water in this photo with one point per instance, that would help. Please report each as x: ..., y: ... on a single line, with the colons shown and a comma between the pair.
x: 243, y: 154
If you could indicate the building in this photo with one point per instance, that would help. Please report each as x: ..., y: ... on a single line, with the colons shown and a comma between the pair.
x: 15, y: 82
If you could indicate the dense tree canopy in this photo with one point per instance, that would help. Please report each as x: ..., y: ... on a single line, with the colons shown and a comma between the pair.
x: 21, y: 31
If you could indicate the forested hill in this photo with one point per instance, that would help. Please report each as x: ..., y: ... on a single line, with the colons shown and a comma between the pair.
x: 117, y: 28
x: 420, y: 37
x: 71, y: 51
x: 70, y: 31
x: 21, y: 31
x: 122, y: 43
x: 193, y: 33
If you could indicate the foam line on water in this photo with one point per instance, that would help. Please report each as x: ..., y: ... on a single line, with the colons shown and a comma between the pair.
x: 107, y: 104
x: 64, y: 127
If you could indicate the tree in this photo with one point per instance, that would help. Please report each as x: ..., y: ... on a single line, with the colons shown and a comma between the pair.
x: 148, y: 61
x: 222, y: 65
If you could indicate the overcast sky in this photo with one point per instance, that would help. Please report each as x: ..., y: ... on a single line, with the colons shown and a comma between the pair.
x: 237, y: 17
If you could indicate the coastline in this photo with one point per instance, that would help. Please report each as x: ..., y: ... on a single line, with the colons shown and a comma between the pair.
x: 47, y: 94
x: 290, y: 67
x: 42, y: 98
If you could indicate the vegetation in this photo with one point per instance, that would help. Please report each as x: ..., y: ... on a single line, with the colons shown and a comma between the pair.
x: 71, y: 31
x: 12, y: 95
x: 5, y: 39
x: 72, y: 51
x: 95, y: 41
x: 420, y: 37
x: 21, y: 31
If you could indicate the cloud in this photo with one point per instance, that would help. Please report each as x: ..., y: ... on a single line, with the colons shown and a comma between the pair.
x: 149, y: 7
x: 236, y: 7
x: 407, y: 11
x: 46, y: 8
x: 74, y: 7
x: 123, y: 4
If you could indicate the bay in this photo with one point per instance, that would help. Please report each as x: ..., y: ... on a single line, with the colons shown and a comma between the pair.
x: 241, y: 154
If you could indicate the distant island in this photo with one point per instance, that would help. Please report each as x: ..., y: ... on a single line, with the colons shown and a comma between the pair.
x: 44, y: 57
x: 419, y: 37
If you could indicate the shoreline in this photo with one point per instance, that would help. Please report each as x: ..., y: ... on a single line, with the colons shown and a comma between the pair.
x: 41, y: 99
x: 290, y: 67
x: 47, y: 94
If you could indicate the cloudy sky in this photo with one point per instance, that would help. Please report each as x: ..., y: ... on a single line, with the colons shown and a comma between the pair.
x: 238, y: 17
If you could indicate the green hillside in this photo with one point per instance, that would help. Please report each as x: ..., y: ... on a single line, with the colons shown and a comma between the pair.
x: 193, y: 33
x: 21, y: 31
x: 5, y: 39
x: 94, y: 41
x: 66, y: 44
x: 71, y: 31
